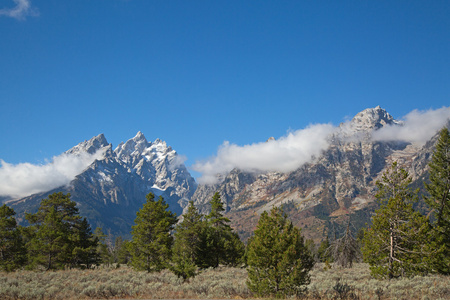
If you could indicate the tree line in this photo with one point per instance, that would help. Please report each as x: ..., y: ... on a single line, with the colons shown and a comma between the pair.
x: 400, y: 242
x: 58, y: 238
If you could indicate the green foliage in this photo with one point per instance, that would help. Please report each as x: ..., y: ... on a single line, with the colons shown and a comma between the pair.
x: 188, y: 240
x: 85, y: 243
x: 12, y: 250
x: 101, y: 250
x: 58, y: 237
x: 221, y: 245
x: 393, y: 245
x: 151, y: 242
x: 278, y: 260
x: 323, y: 252
x: 439, y: 201
x: 121, y: 254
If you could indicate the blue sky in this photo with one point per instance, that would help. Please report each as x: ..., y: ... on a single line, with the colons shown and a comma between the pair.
x: 198, y: 73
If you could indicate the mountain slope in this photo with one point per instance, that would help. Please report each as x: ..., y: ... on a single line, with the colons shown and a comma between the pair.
x: 322, y: 195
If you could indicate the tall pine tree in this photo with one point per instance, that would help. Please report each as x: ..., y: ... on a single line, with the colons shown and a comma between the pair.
x: 278, y: 260
x: 84, y: 253
x: 151, y: 243
x: 394, y: 244
x: 439, y: 202
x: 58, y: 234
x: 188, y: 239
x: 221, y: 244
x: 12, y: 249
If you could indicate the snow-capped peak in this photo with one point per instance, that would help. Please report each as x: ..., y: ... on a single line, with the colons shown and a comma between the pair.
x: 368, y: 120
x: 140, y: 137
x: 372, y: 118
x: 132, y: 147
x: 91, y: 146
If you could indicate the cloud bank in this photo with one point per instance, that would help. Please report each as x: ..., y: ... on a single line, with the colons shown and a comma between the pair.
x: 25, y: 179
x: 20, y: 11
x: 299, y: 147
x: 285, y: 154
x: 418, y: 126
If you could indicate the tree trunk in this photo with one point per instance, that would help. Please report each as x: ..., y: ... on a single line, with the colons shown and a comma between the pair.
x: 391, y: 253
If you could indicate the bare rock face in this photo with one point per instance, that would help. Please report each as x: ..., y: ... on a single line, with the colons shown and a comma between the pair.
x: 318, y: 196
x: 112, y: 189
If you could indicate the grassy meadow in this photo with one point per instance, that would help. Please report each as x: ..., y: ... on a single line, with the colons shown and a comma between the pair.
x: 221, y: 283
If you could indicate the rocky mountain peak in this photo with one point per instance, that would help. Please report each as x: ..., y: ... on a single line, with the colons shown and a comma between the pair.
x: 372, y: 118
x: 132, y: 147
x: 90, y: 146
x: 140, y: 137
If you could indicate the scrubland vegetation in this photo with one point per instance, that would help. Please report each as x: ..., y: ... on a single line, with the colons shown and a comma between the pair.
x: 218, y: 283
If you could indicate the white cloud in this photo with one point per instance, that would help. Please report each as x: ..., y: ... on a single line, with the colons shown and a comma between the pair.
x: 25, y: 179
x: 177, y: 161
x: 20, y: 11
x: 418, y: 126
x: 299, y: 147
x: 285, y: 154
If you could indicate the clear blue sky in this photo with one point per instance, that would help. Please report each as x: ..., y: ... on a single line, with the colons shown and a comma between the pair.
x: 197, y: 73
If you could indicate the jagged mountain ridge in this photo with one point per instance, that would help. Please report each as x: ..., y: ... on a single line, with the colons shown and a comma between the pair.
x: 335, y: 186
x: 320, y: 195
x: 112, y: 189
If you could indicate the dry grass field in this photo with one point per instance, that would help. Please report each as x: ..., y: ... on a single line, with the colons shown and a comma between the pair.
x: 221, y: 283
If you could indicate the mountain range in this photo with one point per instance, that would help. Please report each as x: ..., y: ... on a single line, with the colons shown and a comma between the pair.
x: 324, y: 195
x: 112, y: 189
x: 320, y: 196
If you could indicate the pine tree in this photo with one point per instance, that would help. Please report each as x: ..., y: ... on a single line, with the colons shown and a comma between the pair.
x: 439, y: 201
x: 121, y: 253
x: 50, y: 246
x: 57, y: 234
x: 323, y: 252
x: 102, y: 252
x: 278, y: 260
x: 221, y: 245
x: 85, y: 254
x: 188, y: 238
x: 12, y: 249
x: 345, y: 250
x: 394, y: 244
x: 151, y: 242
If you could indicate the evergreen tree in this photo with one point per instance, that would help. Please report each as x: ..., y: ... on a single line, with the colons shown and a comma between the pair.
x: 278, y: 260
x: 102, y: 252
x: 151, y: 242
x: 50, y: 246
x: 121, y: 253
x: 439, y: 201
x: 221, y: 245
x: 345, y: 250
x: 188, y: 238
x: 85, y: 254
x: 12, y: 250
x: 323, y: 252
x: 394, y: 244
x: 57, y: 234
